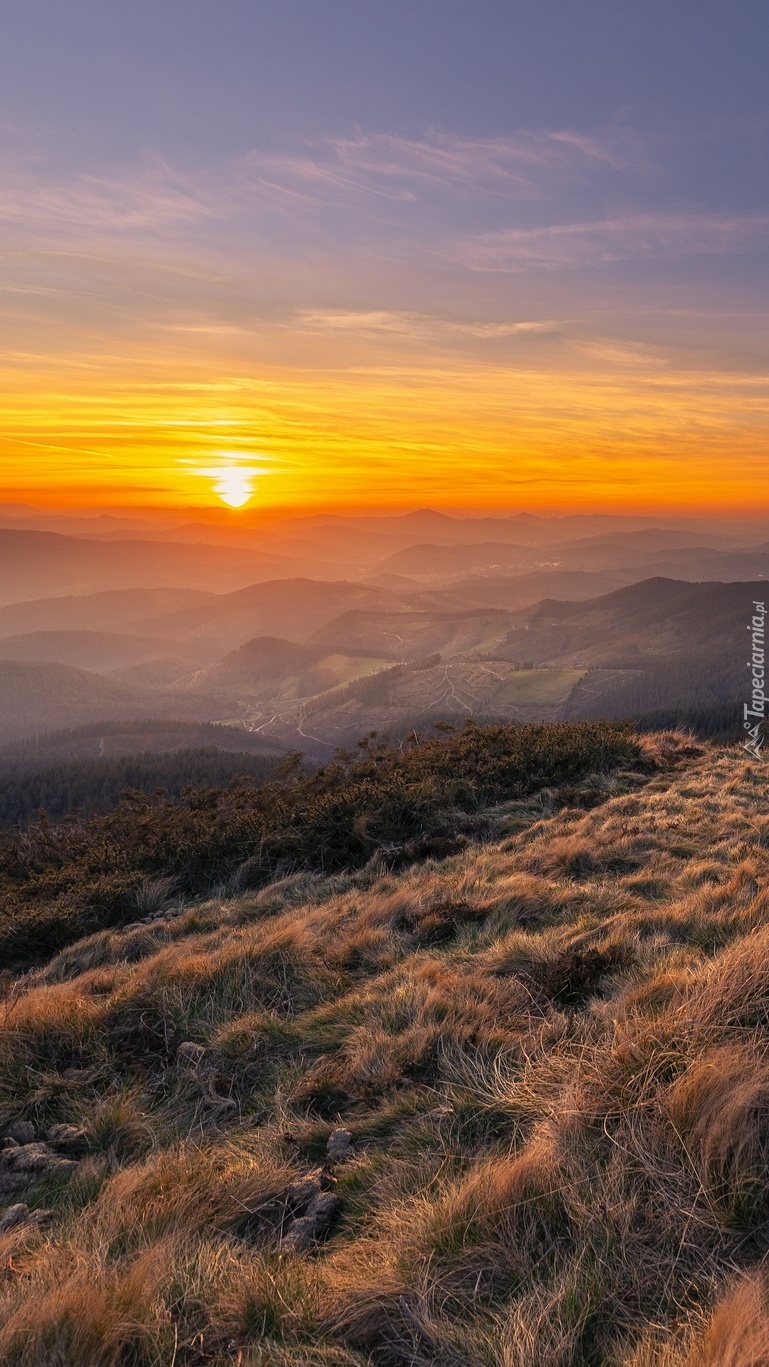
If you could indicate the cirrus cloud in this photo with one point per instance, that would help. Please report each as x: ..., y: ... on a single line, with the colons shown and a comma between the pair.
x: 655, y: 236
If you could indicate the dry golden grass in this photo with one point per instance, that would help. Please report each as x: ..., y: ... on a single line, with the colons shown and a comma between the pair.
x: 552, y: 1054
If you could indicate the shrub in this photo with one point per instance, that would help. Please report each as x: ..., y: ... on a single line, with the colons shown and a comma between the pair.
x: 59, y: 883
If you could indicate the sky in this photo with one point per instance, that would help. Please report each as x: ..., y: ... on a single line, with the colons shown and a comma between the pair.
x: 318, y: 254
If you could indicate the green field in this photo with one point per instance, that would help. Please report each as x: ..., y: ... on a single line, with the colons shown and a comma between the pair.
x: 348, y: 667
x: 538, y: 686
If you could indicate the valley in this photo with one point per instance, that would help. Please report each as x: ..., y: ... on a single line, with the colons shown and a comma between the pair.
x: 411, y: 622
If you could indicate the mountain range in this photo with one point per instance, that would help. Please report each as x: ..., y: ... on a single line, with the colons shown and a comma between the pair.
x: 313, y: 664
x: 48, y: 557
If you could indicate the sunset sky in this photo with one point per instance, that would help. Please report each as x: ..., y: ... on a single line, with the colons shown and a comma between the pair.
x: 328, y: 253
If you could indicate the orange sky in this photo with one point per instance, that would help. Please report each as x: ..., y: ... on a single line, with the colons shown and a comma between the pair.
x: 553, y: 317
x: 395, y: 428
x: 384, y: 254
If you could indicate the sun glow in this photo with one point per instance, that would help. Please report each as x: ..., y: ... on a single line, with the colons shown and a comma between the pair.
x: 234, y: 486
x: 459, y: 433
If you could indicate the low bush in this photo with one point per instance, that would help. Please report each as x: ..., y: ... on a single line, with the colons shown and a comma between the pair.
x: 58, y: 883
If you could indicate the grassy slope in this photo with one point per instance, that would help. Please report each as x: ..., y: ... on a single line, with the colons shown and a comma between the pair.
x: 551, y: 1053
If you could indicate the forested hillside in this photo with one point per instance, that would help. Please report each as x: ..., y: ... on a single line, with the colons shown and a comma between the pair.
x: 65, y: 787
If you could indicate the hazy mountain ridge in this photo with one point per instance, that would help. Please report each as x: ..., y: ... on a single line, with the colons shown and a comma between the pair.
x: 654, y: 617
x: 658, y: 643
x: 45, y: 697
x: 579, y: 594
x: 99, y: 611
x: 101, y: 651
x: 289, y: 608
x: 33, y: 564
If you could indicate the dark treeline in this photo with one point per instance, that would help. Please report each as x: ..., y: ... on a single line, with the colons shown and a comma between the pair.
x: 145, y: 734
x: 62, y: 787
x: 670, y: 686
x: 719, y: 722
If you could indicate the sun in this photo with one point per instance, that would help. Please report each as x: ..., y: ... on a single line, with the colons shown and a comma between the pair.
x: 234, y: 486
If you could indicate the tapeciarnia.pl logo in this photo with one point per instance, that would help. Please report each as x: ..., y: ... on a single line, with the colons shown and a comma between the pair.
x: 754, y: 712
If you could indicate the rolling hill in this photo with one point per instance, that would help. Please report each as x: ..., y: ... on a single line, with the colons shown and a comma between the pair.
x: 115, y: 608
x: 408, y: 635
x: 519, y: 590
x: 289, y: 608
x: 101, y: 651
x: 657, y: 617
x: 46, y: 697
x: 42, y: 564
x: 277, y: 671
x: 447, y: 562
x: 501, y: 1103
x: 653, y: 645
x: 658, y: 644
x: 709, y: 564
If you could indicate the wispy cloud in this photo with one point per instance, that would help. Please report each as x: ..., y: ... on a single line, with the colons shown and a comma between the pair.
x: 346, y: 189
x: 401, y: 168
x: 660, y: 236
x: 418, y: 326
x: 153, y: 196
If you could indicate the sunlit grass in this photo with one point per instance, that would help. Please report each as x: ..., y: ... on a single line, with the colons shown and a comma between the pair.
x: 550, y: 1052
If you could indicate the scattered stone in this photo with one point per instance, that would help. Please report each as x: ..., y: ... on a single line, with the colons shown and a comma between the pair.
x: 13, y: 1216
x: 25, y: 1163
x: 63, y: 1167
x: 8, y: 1143
x: 20, y: 1214
x: 28, y: 1158
x: 23, y: 1131
x: 67, y: 1137
x: 314, y: 1224
x: 339, y: 1146
x: 303, y: 1192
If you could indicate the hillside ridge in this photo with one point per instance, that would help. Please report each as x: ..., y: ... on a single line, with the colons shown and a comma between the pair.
x: 501, y: 1108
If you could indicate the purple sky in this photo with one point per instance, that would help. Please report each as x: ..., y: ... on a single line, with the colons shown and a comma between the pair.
x: 549, y: 185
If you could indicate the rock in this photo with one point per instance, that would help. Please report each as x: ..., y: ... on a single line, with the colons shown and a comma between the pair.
x: 63, y: 1167
x: 67, y: 1137
x: 8, y: 1143
x: 339, y: 1145
x: 20, y: 1214
x: 23, y: 1165
x: 12, y: 1184
x: 79, y: 1076
x: 28, y: 1158
x: 314, y: 1224
x: 13, y: 1216
x: 302, y: 1192
x: 23, y: 1131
